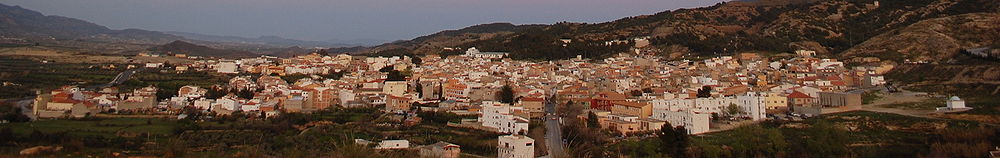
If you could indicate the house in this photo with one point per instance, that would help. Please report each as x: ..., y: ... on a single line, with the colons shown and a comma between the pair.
x: 397, y: 88
x: 624, y: 127
x: 397, y: 104
x: 602, y: 100
x: 628, y: 108
x: 873, y: 80
x: 515, y: 146
x: 800, y: 99
x: 533, y: 105
x: 503, y: 117
x: 440, y: 150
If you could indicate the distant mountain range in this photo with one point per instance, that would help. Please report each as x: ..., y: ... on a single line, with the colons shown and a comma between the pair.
x: 23, y: 26
x: 30, y: 25
x: 276, y: 40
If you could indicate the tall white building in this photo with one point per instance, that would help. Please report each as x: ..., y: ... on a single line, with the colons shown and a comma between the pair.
x: 515, y: 146
x: 752, y: 105
x: 501, y: 116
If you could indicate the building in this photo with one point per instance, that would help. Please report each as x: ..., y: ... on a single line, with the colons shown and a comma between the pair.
x: 956, y: 103
x: 602, y: 100
x: 800, y: 99
x: 227, y: 67
x: 473, y: 52
x: 695, y: 123
x: 502, y: 117
x: 440, y: 150
x: 753, y: 105
x: 838, y: 99
x: 533, y: 105
x: 515, y: 146
x: 873, y: 80
x: 393, y: 144
x: 397, y: 104
x: 628, y: 108
x: 397, y: 88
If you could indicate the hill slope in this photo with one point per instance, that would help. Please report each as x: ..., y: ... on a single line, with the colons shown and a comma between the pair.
x: 938, y: 39
x: 765, y: 25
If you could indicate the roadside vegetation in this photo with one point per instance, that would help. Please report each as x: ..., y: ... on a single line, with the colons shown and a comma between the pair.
x: 851, y: 134
x: 325, y: 133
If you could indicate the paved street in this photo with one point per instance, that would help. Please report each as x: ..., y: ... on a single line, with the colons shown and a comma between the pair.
x: 121, y: 78
x: 25, y: 107
x: 553, y: 132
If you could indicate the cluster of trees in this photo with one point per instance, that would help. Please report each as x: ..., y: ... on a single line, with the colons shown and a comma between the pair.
x: 12, y: 113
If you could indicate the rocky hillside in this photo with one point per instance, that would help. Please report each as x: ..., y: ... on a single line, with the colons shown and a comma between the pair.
x: 935, y: 40
x: 830, y: 27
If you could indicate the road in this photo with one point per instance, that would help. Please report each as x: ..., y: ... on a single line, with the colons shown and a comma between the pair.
x: 25, y: 109
x: 121, y: 78
x: 553, y: 131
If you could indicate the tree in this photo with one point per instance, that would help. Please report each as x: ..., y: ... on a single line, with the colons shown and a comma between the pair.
x: 826, y: 140
x: 323, y: 52
x: 636, y: 93
x: 506, y: 94
x: 416, y: 60
x: 733, y: 110
x: 419, y: 89
x: 674, y: 141
x: 395, y: 75
x: 592, y: 121
x: 705, y: 92
x: 245, y: 94
x: 387, y: 68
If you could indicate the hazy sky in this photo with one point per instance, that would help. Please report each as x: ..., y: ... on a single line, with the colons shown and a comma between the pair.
x: 341, y: 19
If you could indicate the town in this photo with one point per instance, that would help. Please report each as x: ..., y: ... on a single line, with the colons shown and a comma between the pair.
x: 632, y: 94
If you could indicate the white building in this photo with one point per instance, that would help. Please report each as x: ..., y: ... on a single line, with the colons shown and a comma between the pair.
x: 393, y: 144
x: 873, y: 80
x: 753, y: 105
x: 473, y: 52
x: 695, y: 123
x: 515, y: 146
x: 501, y: 116
x: 227, y: 67
x: 956, y: 103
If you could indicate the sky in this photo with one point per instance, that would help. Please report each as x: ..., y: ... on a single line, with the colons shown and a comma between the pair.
x: 341, y: 19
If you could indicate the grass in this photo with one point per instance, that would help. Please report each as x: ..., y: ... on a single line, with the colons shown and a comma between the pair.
x: 109, y: 127
x: 870, y: 97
